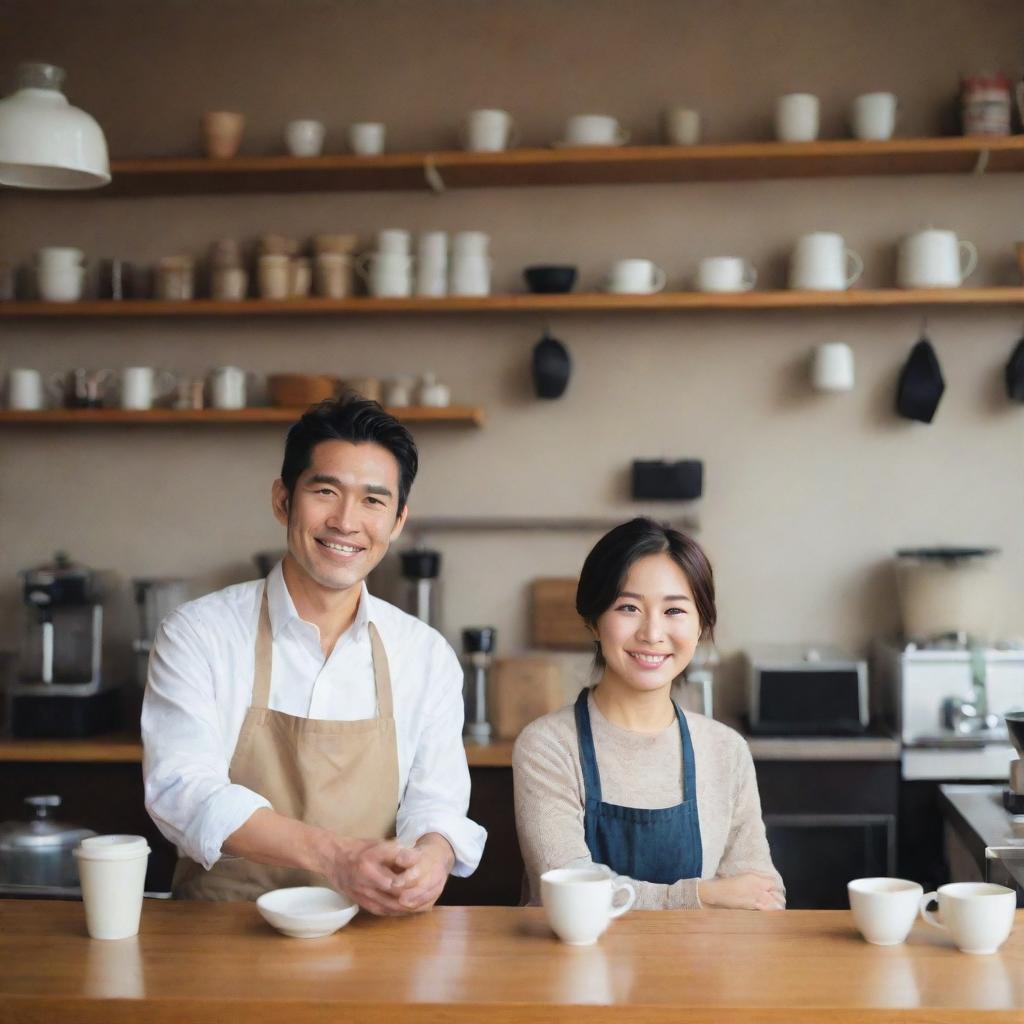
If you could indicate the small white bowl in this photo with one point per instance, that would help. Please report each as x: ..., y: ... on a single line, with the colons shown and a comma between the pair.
x: 307, y: 911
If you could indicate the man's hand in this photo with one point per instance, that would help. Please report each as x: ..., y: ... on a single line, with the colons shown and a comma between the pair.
x: 750, y: 891
x: 368, y: 871
x: 426, y: 868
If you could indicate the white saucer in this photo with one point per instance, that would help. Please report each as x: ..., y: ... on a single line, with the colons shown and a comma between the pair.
x: 307, y: 911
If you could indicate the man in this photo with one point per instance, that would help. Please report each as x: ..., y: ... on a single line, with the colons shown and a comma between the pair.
x: 299, y: 730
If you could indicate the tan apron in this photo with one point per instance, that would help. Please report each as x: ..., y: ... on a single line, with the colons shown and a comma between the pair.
x: 342, y: 776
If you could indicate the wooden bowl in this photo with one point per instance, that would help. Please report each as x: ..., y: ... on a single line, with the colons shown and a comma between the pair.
x: 293, y: 390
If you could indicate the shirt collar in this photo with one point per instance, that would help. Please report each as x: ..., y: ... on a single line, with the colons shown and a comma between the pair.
x: 283, y: 612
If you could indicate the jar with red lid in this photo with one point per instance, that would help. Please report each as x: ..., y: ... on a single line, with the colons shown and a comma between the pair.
x: 985, y: 104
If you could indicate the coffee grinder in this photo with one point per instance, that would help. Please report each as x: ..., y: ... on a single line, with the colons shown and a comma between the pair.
x: 1013, y: 795
x: 478, y: 646
x: 59, y: 690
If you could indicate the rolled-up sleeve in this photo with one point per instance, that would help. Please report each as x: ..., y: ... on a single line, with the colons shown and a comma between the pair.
x: 185, y: 764
x: 436, y: 795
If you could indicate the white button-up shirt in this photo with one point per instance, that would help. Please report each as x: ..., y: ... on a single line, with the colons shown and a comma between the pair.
x: 200, y: 687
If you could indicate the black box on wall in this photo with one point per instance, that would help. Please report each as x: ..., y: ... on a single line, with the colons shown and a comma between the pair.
x: 668, y: 481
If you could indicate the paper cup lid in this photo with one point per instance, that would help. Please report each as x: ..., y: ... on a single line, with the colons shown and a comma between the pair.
x: 112, y: 848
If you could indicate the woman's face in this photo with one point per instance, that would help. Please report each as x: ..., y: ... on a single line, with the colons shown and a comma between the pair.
x: 650, y: 632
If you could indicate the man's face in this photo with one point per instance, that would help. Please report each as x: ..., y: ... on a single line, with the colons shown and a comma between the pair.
x: 343, y: 513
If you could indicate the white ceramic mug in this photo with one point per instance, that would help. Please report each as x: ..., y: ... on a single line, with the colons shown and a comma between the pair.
x: 636, y: 277
x: 304, y: 137
x: 24, y: 389
x: 884, y: 909
x: 470, y: 274
x: 819, y: 263
x: 594, y: 130
x: 725, y: 274
x: 796, y: 117
x: 388, y: 275
x: 682, y: 126
x: 366, y: 138
x: 832, y: 368
x: 227, y: 387
x: 432, y: 264
x: 112, y: 872
x: 59, y: 256
x: 978, y: 915
x: 470, y: 243
x: 579, y: 902
x: 396, y: 241
x: 488, y: 131
x: 933, y: 259
x: 873, y: 116
x: 60, y: 283
x: 142, y: 385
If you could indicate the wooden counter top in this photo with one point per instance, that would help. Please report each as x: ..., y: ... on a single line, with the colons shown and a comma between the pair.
x: 493, y: 965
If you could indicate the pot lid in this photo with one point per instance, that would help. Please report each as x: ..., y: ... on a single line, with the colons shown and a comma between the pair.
x: 946, y: 554
x: 42, y: 832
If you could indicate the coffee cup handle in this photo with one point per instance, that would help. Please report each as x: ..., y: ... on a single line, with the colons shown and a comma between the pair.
x: 927, y: 915
x: 629, y: 889
x: 749, y: 276
x: 660, y: 279
x: 858, y: 266
x: 972, y: 259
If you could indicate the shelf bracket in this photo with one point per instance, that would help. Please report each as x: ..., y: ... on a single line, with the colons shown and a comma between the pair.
x: 981, y: 164
x: 434, y: 180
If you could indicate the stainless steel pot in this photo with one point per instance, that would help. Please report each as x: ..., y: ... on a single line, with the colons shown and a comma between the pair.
x: 38, y: 852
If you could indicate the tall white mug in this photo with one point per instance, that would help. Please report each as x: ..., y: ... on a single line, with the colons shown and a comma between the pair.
x: 796, y: 117
x: 819, y: 263
x: 112, y: 872
x: 873, y: 116
x: 579, y: 902
x: 832, y: 367
x: 142, y: 385
x: 884, y: 909
x: 488, y: 131
x: 227, y: 388
x: 432, y: 264
x: 24, y: 389
x: 978, y: 915
x: 470, y: 274
x: 636, y: 277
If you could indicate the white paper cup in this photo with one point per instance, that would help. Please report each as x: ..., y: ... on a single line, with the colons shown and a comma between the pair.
x: 884, y: 909
x: 112, y: 872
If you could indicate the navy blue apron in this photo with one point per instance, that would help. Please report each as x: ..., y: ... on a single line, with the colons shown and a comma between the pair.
x: 651, y: 845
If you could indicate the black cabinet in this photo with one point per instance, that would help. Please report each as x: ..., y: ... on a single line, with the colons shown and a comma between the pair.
x: 829, y: 822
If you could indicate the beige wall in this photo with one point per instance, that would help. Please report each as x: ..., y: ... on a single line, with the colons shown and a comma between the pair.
x: 806, y: 496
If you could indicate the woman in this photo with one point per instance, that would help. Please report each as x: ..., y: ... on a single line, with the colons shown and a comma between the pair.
x: 624, y: 777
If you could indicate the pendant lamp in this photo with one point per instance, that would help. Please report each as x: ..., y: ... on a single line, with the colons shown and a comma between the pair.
x: 44, y: 141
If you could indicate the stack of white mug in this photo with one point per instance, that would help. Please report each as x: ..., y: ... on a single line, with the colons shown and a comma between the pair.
x: 389, y: 269
x: 60, y: 273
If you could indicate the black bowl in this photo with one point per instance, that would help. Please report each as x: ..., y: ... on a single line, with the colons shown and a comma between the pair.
x: 550, y: 280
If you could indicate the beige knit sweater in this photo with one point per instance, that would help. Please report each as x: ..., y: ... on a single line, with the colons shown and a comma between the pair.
x: 637, y: 770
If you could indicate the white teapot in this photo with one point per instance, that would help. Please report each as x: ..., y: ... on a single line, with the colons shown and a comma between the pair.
x: 933, y: 259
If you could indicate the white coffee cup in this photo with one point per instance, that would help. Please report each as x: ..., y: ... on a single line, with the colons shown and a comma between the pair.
x: 978, y: 915
x: 884, y: 909
x: 366, y: 138
x: 394, y: 241
x: 24, y: 389
x: 832, y: 368
x: 470, y: 274
x: 227, y: 387
x: 488, y: 131
x: 725, y: 274
x: 140, y: 386
x: 594, y: 130
x: 873, y: 116
x: 59, y: 256
x: 579, y: 902
x: 636, y: 277
x: 932, y: 259
x: 796, y: 117
x: 682, y: 126
x: 60, y: 283
x: 388, y: 275
x: 304, y: 137
x: 470, y: 243
x: 112, y: 872
x: 432, y: 264
x: 819, y: 263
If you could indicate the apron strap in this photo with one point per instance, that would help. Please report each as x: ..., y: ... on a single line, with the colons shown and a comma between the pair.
x: 689, y: 767
x: 588, y: 757
x: 264, y: 656
x: 381, y: 674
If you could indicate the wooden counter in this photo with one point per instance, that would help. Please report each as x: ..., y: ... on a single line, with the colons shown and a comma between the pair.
x: 493, y: 965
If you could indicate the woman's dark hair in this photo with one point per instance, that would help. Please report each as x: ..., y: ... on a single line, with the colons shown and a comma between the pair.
x: 356, y: 420
x: 606, y: 567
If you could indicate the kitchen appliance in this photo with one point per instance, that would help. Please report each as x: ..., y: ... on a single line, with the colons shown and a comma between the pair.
x: 59, y: 689
x: 421, y: 587
x: 155, y: 599
x: 478, y: 646
x: 1013, y: 795
x: 35, y: 855
x: 806, y: 691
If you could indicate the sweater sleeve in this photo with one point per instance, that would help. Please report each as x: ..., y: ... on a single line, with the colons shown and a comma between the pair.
x: 549, y: 819
x: 746, y: 848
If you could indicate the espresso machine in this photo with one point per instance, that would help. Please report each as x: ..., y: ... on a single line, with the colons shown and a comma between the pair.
x: 59, y: 690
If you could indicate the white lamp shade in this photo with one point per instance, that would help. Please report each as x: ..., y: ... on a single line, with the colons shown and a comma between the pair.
x: 47, y: 143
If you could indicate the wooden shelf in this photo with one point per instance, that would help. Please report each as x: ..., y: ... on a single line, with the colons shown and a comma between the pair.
x: 595, y: 302
x: 626, y: 165
x: 453, y: 415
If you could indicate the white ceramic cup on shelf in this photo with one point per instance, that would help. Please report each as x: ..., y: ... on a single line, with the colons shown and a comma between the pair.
x: 112, y: 872
x: 725, y: 274
x: 228, y: 387
x: 24, y: 389
x: 579, y: 902
x: 873, y: 116
x: 832, y: 367
x: 594, y: 130
x: 488, y: 131
x: 977, y: 915
x: 884, y: 909
x: 635, y: 277
x: 935, y: 259
x: 304, y: 137
x: 59, y: 256
x: 394, y: 241
x: 432, y: 264
x: 796, y: 117
x: 819, y: 263
x: 59, y: 283
x: 388, y: 275
x: 366, y: 138
x: 141, y: 386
